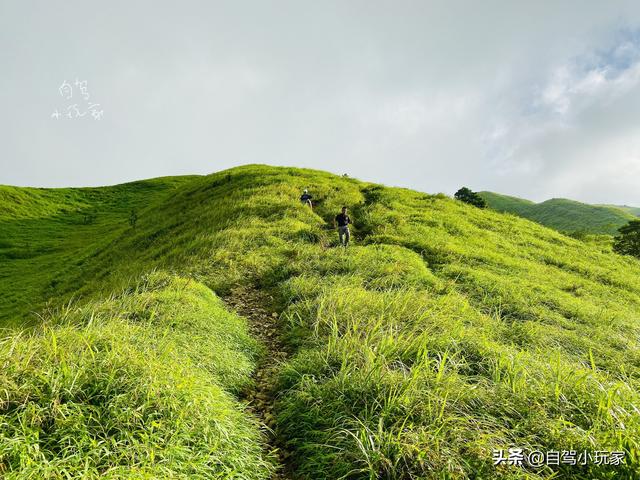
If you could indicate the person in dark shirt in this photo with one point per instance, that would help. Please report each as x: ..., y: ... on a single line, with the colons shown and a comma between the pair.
x: 306, y: 198
x: 342, y: 221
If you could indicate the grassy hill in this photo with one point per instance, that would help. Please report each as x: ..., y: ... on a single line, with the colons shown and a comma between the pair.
x: 564, y: 215
x: 444, y: 332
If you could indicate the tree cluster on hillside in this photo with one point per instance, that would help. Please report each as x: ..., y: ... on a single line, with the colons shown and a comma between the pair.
x: 628, y: 241
x: 466, y: 195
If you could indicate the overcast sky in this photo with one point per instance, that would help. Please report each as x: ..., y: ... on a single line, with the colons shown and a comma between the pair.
x: 537, y: 99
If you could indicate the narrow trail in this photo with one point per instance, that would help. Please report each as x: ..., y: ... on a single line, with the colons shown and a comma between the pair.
x: 255, y: 306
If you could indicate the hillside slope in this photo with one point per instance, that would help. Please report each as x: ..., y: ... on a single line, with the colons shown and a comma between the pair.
x: 562, y: 214
x: 444, y: 332
x: 139, y: 385
x: 48, y: 232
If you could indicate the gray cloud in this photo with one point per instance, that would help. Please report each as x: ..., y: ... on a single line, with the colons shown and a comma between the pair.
x: 533, y: 99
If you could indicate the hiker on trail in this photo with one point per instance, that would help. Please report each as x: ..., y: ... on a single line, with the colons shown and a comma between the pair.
x: 306, y: 198
x: 342, y: 221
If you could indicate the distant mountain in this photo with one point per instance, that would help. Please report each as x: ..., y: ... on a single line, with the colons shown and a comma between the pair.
x: 565, y: 215
x: 635, y: 211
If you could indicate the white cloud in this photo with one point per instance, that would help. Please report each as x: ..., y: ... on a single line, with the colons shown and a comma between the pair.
x: 536, y: 99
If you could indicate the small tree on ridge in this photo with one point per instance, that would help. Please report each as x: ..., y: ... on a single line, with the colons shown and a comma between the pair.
x: 466, y: 195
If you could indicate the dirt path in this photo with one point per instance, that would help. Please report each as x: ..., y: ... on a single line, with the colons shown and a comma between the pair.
x: 255, y: 306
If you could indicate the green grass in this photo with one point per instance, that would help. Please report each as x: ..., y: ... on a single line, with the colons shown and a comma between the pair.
x: 565, y: 215
x: 135, y: 386
x: 443, y: 332
x: 48, y: 234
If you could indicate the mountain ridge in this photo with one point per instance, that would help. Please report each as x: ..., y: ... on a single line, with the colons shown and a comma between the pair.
x: 564, y: 214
